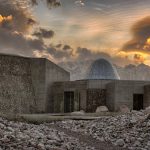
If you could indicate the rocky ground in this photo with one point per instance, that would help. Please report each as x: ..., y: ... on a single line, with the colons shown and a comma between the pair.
x: 129, y: 131
x: 23, y: 136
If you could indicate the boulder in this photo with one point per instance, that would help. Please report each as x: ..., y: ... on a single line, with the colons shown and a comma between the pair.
x: 120, y: 142
x: 101, y: 109
x: 78, y: 113
x: 124, y: 109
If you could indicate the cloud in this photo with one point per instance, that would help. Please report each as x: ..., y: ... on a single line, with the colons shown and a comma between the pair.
x: 16, y: 22
x: 81, y: 54
x: 67, y: 47
x: 88, y: 54
x: 66, y: 53
x: 138, y: 58
x: 14, y: 42
x: 80, y: 2
x: 22, y: 19
x: 61, y: 54
x: 6, y: 22
x: 44, y: 33
x: 140, y: 37
x: 50, y: 3
x: 58, y: 46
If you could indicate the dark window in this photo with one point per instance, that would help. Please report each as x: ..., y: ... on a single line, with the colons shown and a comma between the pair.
x: 137, y: 101
x: 68, y: 102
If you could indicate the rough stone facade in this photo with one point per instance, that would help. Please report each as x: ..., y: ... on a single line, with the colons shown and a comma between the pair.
x: 16, y: 90
x: 95, y: 98
x: 25, y: 83
x: 36, y: 85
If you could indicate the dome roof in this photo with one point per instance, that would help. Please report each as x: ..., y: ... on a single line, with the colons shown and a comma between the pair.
x: 102, y: 69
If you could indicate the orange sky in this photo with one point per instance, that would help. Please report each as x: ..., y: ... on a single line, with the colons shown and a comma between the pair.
x: 98, y: 25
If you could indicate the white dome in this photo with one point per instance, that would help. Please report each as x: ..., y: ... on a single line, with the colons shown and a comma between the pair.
x: 102, y: 69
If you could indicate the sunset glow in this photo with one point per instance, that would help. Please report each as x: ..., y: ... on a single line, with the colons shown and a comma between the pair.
x: 8, y: 18
x: 117, y: 29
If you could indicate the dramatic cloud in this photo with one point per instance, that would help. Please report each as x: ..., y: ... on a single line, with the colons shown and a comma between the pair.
x: 22, y: 19
x: 61, y: 54
x: 20, y: 11
x: 16, y: 26
x: 22, y: 33
x: 44, y: 33
x: 88, y: 54
x: 139, y: 58
x: 141, y: 37
x: 64, y: 54
x: 14, y: 42
x: 67, y: 47
x: 6, y: 22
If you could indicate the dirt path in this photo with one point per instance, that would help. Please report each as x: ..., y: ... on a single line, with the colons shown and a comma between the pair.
x: 87, y: 139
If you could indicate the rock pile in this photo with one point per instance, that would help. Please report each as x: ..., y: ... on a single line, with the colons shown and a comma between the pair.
x: 23, y: 136
x: 130, y: 130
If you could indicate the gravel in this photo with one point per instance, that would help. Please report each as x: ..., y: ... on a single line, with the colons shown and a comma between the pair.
x: 24, y: 136
x: 129, y: 131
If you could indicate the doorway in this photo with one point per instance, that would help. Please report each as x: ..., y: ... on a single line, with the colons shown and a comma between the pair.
x: 137, y: 101
x: 68, y: 102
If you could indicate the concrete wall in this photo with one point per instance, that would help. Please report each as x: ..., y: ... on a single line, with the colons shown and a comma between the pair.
x: 16, y: 90
x: 84, y: 100
x: 146, y: 96
x: 79, y: 89
x: 38, y: 82
x: 53, y: 74
x: 121, y: 93
x: 110, y: 96
x: 97, y: 84
x: 25, y: 83
x: 93, y: 93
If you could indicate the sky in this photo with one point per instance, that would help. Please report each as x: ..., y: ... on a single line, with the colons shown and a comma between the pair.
x: 73, y: 30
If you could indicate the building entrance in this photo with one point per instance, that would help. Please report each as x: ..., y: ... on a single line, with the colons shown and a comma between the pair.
x: 137, y: 101
x: 68, y: 102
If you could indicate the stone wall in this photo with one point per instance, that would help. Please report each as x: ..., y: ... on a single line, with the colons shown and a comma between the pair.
x: 16, y: 90
x: 24, y: 83
x: 95, y: 98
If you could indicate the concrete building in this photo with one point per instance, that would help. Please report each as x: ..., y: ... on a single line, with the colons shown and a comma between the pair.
x: 102, y: 87
x: 36, y: 85
x: 25, y: 84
